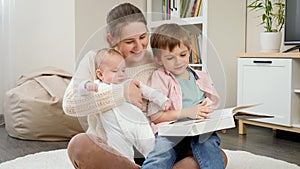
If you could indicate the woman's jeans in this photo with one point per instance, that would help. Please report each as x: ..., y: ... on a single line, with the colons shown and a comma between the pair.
x: 166, y: 150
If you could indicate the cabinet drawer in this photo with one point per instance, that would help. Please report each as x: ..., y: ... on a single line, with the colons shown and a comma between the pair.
x: 266, y: 82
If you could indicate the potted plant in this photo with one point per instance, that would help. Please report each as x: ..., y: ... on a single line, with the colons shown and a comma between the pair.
x: 272, y: 18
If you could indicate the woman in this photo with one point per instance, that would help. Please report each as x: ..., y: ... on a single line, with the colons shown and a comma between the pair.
x: 126, y: 32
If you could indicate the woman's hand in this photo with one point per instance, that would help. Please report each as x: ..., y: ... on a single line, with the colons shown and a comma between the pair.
x: 133, y: 93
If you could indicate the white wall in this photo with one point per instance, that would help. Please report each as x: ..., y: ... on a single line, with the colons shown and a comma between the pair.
x: 35, y: 33
x: 91, y: 18
x: 6, y: 71
x: 226, y: 31
x: 44, y: 34
x: 254, y: 28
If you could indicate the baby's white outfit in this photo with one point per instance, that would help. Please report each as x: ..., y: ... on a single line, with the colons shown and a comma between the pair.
x: 126, y: 125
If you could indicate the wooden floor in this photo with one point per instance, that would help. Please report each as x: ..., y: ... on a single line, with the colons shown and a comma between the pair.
x: 11, y: 148
x: 277, y: 144
x: 261, y: 141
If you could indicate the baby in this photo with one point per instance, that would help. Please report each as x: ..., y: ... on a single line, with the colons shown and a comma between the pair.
x: 126, y: 125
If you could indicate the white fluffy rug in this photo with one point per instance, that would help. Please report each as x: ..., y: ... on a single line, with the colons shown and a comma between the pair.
x: 58, y: 159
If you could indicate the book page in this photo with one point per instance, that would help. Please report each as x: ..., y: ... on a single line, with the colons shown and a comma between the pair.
x: 217, y: 120
x: 240, y: 112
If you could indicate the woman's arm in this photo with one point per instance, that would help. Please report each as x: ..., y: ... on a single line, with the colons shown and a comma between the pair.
x: 76, y: 105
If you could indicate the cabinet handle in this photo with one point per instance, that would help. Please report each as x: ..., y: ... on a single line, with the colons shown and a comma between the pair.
x: 263, y: 61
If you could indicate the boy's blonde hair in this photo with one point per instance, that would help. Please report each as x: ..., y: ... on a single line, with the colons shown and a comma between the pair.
x: 105, y: 52
x: 168, y: 36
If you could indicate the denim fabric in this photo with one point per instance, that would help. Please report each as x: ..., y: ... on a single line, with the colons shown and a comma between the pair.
x: 208, y: 154
x: 163, y: 155
x: 167, y: 149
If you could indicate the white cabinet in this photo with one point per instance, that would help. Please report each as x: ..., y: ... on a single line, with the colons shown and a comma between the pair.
x: 273, y: 84
x: 171, y: 11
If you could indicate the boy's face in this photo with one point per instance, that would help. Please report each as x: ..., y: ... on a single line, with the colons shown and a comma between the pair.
x: 112, y: 69
x: 175, y: 61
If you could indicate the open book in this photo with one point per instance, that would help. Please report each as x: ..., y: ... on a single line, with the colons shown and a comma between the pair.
x: 238, y: 113
x: 217, y: 120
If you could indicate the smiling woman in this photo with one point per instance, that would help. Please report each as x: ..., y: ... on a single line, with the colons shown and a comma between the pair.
x: 122, y: 20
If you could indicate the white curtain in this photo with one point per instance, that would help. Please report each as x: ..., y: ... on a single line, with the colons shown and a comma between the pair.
x: 6, y: 45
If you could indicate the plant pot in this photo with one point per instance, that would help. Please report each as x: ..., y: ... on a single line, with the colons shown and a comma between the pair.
x: 270, y: 41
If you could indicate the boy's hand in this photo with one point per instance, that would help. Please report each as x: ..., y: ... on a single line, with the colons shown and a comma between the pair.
x: 203, y: 111
x: 90, y: 86
x: 223, y: 131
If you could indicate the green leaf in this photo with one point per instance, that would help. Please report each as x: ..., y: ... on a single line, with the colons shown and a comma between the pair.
x: 269, y: 15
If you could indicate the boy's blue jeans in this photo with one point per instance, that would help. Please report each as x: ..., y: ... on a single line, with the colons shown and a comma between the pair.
x: 207, y: 154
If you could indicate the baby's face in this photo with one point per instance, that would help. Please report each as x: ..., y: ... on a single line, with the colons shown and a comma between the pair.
x: 113, y: 69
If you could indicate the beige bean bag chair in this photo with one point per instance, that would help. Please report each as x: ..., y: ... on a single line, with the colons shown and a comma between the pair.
x: 33, y: 109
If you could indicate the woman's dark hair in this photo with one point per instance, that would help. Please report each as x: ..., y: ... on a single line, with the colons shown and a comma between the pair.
x: 122, y: 15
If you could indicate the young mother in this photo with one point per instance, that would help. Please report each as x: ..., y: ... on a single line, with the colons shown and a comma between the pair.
x: 127, y: 32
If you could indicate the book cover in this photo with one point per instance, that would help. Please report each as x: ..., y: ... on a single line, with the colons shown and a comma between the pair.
x: 189, y: 9
x: 185, y: 9
x: 198, y: 7
x: 194, y: 51
x: 199, y: 47
x: 217, y: 120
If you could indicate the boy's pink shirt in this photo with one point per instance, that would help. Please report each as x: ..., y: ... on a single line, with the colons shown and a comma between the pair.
x: 165, y: 82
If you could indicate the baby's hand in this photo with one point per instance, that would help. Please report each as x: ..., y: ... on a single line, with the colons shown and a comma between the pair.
x: 90, y: 86
x: 166, y: 105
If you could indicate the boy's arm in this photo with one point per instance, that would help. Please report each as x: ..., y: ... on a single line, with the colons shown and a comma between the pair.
x: 157, y: 82
x: 157, y: 115
x: 200, y: 111
x: 171, y: 115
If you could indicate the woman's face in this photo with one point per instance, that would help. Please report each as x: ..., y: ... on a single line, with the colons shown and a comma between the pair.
x: 134, y: 41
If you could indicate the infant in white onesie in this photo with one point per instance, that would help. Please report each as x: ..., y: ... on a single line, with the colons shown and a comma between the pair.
x: 126, y: 125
